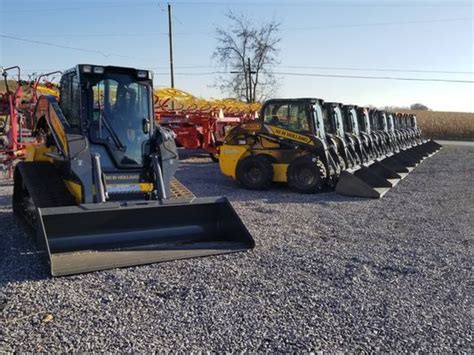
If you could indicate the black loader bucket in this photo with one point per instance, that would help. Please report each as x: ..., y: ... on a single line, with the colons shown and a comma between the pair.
x: 96, y: 237
x: 374, y: 180
x: 428, y: 148
x: 371, y: 181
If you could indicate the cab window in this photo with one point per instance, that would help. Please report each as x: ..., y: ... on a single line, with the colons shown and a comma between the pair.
x: 294, y: 117
x: 70, y: 101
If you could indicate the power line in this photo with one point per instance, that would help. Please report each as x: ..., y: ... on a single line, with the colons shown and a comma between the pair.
x: 145, y: 34
x: 88, y: 8
x: 376, y: 24
x: 290, y: 67
x: 194, y: 74
x: 162, y: 9
x: 377, y: 69
x: 104, y: 54
x: 335, y: 68
x: 194, y: 33
x: 255, y: 3
x: 375, y: 77
x: 210, y: 73
x: 328, y: 3
x: 338, y: 76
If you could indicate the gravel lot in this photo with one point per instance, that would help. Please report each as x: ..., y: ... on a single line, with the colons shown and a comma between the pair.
x: 328, y: 273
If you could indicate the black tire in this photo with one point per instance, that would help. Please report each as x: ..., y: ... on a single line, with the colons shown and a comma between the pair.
x: 341, y: 163
x: 255, y: 172
x: 24, y: 207
x: 332, y: 180
x: 214, y: 157
x: 306, y: 175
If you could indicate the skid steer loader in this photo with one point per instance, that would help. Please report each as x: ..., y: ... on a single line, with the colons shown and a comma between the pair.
x: 303, y: 142
x: 364, y: 176
x: 98, y: 191
x: 412, y: 143
x: 288, y: 145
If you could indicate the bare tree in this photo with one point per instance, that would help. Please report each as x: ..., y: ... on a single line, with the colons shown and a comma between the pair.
x: 248, y: 42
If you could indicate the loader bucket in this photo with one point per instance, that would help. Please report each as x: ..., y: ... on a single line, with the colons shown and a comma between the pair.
x: 94, y: 237
x: 371, y: 181
x: 422, y: 150
x: 408, y: 157
x: 397, y: 166
x: 429, y: 147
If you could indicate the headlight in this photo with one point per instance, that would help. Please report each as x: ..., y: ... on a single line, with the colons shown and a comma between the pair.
x: 86, y: 69
x: 142, y: 74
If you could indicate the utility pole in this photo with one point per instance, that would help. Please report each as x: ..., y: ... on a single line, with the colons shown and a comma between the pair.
x: 250, y: 72
x: 248, y: 78
x: 170, y: 31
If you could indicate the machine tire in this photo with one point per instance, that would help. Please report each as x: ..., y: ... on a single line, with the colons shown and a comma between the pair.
x: 334, y: 178
x: 341, y: 162
x: 306, y: 175
x: 214, y: 157
x: 255, y: 172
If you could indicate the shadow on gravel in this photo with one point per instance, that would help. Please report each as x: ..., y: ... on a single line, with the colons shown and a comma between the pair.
x: 205, y: 179
x: 282, y: 194
x: 26, y: 270
x: 5, y: 201
x: 19, y: 259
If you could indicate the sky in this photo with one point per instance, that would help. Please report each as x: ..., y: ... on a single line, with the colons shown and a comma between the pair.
x: 370, y: 38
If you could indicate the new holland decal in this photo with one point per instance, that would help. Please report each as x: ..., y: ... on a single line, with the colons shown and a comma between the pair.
x: 291, y: 135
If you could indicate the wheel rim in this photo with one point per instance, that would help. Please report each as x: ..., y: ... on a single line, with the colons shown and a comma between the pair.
x: 254, y: 175
x: 306, y: 177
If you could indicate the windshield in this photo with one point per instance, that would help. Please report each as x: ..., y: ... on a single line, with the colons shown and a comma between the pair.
x: 383, y: 121
x: 338, y: 119
x: 355, y: 124
x: 318, y: 115
x: 291, y: 116
x: 363, y: 120
x: 121, y: 111
x: 391, y: 128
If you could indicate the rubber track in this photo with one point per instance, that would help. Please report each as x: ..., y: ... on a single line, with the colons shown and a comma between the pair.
x: 178, y: 190
x: 45, y: 185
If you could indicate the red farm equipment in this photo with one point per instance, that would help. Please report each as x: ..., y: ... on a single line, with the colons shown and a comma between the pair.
x: 17, y: 104
x: 200, y: 123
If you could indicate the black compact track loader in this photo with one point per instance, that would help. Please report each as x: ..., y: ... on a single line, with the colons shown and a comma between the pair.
x: 99, y: 190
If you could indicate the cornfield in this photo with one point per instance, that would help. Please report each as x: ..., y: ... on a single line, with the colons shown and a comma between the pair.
x: 446, y: 125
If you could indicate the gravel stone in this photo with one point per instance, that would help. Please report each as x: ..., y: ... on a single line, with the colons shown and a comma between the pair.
x: 329, y: 273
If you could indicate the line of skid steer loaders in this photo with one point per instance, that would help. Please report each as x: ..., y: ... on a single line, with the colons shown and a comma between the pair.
x: 98, y: 190
x: 313, y: 145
